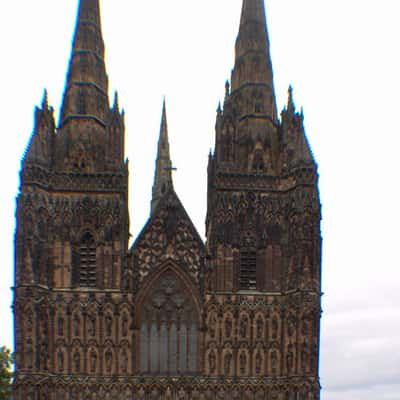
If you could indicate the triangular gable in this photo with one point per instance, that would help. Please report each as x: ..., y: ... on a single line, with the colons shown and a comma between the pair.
x: 169, y: 235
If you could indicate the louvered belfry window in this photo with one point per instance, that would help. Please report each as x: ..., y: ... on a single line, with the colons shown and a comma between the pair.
x: 248, y: 269
x: 87, y: 275
x: 168, y: 329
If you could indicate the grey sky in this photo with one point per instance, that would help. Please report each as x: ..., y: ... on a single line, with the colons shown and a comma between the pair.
x: 342, y: 57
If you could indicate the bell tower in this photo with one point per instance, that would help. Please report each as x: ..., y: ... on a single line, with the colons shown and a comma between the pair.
x: 72, y: 230
x: 263, y: 229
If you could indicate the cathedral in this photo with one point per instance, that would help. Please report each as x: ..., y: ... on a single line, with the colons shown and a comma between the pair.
x: 170, y: 317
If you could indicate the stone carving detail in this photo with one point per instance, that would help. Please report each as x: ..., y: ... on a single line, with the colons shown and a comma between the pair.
x: 170, y: 236
x: 170, y: 318
x: 62, y: 216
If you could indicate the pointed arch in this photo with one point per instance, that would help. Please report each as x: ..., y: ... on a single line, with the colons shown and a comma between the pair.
x: 168, y: 319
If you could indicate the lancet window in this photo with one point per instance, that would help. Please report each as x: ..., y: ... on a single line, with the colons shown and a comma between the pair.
x: 248, y: 269
x: 87, y: 252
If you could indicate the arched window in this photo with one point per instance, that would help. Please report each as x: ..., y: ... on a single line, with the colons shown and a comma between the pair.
x: 87, y: 252
x: 248, y: 269
x: 168, y: 329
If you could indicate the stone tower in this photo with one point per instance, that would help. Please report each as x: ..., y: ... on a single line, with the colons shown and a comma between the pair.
x: 263, y: 231
x: 171, y: 317
x: 72, y: 232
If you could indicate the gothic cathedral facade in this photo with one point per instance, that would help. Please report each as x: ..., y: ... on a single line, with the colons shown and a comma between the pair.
x: 170, y: 317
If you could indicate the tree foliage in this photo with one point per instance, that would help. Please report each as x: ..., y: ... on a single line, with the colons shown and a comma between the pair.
x: 5, y: 374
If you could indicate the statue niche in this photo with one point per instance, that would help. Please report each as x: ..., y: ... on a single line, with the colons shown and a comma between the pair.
x: 168, y: 328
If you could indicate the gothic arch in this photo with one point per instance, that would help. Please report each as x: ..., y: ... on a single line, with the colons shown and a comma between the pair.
x: 168, y: 320
x: 183, y: 277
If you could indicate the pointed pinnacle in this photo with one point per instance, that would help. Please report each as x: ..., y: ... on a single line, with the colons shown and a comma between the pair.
x: 164, y: 124
x: 290, y: 104
x: 116, y: 101
x: 45, y: 100
x: 87, y: 76
x: 227, y: 90
x: 163, y: 173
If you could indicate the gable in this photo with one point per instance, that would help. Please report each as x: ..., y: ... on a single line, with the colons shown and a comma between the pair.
x: 168, y: 236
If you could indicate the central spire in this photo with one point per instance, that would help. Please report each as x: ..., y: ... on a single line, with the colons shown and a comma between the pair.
x: 253, y: 66
x: 86, y: 89
x: 163, y: 174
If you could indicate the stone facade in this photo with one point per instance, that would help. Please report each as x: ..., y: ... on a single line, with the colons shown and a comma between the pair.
x: 170, y: 317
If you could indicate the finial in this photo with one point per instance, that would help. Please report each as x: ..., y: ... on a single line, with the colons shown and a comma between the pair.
x: 116, y: 101
x: 227, y: 87
x: 219, y: 109
x: 45, y: 100
x: 290, y: 105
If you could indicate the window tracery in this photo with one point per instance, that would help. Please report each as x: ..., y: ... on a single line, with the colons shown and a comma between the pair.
x: 168, y: 329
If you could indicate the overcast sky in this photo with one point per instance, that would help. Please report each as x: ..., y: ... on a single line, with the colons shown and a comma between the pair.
x: 341, y: 56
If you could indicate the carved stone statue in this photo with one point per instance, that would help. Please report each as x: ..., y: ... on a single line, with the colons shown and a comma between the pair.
x: 212, y: 361
x: 44, y: 355
x: 124, y: 325
x: 29, y: 321
x: 243, y: 327
x: 60, y: 326
x: 195, y: 395
x: 221, y: 394
x: 108, y: 325
x: 93, y: 361
x: 305, y: 326
x: 228, y: 360
x: 92, y: 325
x: 60, y: 360
x: 274, y: 361
x: 181, y: 394
x: 154, y: 395
x: 242, y: 362
x: 213, y: 325
x: 141, y: 394
x: 258, y: 363
x: 77, y: 361
x: 304, y: 358
x: 290, y: 358
x: 291, y: 326
x: 235, y: 394
x: 28, y: 354
x: 76, y: 324
x: 228, y: 327
x: 124, y: 362
x: 259, y: 329
x: 109, y: 358
x: 274, y: 328
x: 168, y: 394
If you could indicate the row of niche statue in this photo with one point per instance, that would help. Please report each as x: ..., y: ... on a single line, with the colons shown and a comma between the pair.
x: 290, y: 359
x: 244, y: 327
x: 77, y: 324
x: 93, y: 361
x: 92, y: 323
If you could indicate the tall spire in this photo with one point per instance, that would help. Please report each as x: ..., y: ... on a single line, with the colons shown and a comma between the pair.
x: 163, y: 173
x: 86, y: 89
x: 253, y: 64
